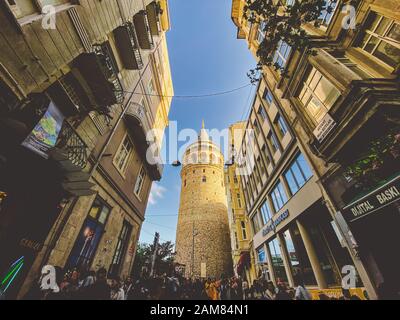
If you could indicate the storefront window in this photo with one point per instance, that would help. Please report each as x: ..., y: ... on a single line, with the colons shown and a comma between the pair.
x: 298, y: 256
x: 277, y: 260
x: 89, y: 237
x: 261, y: 255
x: 324, y: 255
x: 120, y: 250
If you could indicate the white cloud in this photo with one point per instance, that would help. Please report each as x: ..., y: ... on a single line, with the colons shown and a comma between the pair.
x: 156, y: 193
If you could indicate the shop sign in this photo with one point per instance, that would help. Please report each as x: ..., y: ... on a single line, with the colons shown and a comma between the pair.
x: 274, y: 223
x: 324, y: 127
x: 45, y: 134
x: 30, y: 244
x: 374, y: 201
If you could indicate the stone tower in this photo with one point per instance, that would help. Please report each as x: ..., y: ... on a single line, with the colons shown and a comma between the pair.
x: 203, y: 242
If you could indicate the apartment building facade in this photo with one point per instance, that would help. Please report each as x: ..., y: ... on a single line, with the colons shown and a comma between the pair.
x: 244, y: 262
x: 342, y: 105
x: 79, y: 100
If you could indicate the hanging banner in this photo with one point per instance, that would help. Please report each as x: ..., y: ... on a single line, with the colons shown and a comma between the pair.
x: 45, y: 134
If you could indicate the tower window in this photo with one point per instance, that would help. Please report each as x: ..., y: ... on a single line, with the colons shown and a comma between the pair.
x: 204, y: 179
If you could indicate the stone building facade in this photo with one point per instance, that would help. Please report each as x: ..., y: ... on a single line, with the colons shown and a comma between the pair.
x: 202, y: 240
x: 244, y: 260
x: 338, y: 102
x: 94, y: 83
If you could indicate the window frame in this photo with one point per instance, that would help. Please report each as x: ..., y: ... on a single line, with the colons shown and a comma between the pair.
x: 143, y: 179
x: 291, y: 170
x: 369, y: 34
x: 283, y: 197
x: 122, y: 170
x: 309, y: 78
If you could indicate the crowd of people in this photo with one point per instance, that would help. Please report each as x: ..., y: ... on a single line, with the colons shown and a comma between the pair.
x: 91, y: 285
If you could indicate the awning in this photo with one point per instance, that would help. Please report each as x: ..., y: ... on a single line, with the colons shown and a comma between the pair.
x: 244, y: 261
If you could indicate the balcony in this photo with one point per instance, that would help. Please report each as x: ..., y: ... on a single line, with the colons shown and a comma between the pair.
x: 97, y: 72
x: 128, y: 46
x: 139, y: 126
x: 153, y: 15
x: 143, y: 30
x: 71, y: 153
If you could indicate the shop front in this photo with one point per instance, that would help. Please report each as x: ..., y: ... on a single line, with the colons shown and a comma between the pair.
x: 374, y: 219
x: 304, y: 247
x: 32, y: 185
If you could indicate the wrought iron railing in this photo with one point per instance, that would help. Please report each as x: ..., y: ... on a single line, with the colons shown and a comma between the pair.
x: 148, y: 30
x: 70, y: 142
x: 135, y: 44
x: 110, y: 69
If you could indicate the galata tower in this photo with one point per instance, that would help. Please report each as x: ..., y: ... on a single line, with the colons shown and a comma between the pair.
x: 202, y: 242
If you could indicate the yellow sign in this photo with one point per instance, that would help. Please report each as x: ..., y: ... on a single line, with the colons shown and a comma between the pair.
x: 336, y: 293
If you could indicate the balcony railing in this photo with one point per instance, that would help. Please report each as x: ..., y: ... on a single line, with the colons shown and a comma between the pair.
x: 71, y: 147
x: 97, y: 73
x: 128, y: 45
x: 143, y: 30
x: 153, y: 15
x: 110, y: 69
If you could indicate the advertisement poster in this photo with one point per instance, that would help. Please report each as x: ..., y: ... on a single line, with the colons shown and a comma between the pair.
x: 45, y: 134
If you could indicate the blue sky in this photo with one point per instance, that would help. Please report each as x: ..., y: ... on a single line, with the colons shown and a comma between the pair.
x: 205, y: 58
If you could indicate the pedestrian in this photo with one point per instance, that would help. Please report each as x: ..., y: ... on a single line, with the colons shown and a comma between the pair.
x: 246, y: 290
x: 128, y: 288
x: 301, y: 292
x: 282, y: 291
x: 117, y: 293
x: 270, y: 292
x: 100, y: 290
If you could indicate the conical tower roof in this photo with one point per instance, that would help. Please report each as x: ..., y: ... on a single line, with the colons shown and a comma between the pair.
x: 203, y: 135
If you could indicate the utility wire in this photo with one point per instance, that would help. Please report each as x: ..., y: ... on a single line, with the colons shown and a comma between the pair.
x: 161, y: 226
x: 214, y: 94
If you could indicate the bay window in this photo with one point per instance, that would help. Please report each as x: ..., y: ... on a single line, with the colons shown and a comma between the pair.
x: 317, y: 95
x: 381, y: 39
